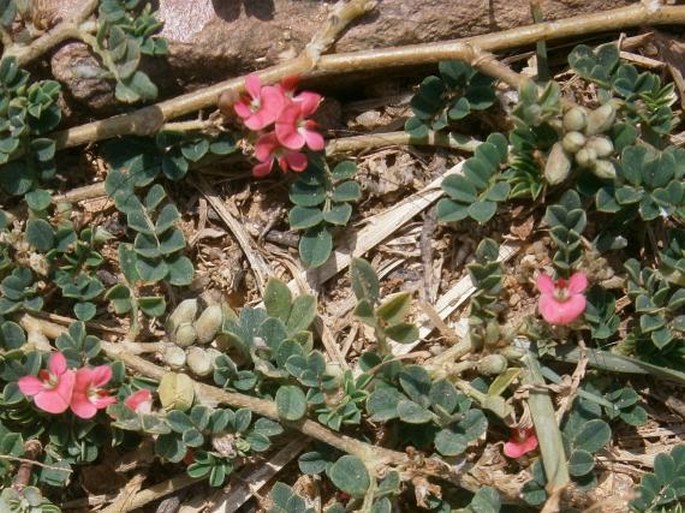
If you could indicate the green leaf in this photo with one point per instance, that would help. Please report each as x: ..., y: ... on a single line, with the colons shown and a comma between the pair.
x: 486, y: 500
x: 454, y: 440
x: 482, y: 211
x: 312, y: 463
x: 594, y: 435
x: 171, y: 242
x: 347, y: 191
x: 339, y: 214
x: 412, y: 413
x: 350, y: 475
x: 40, y: 234
x: 151, y: 271
x: 403, y: 333
x: 152, y: 306
x: 395, y: 308
x: 38, y: 200
x: 84, y: 311
x: 307, y: 195
x: 168, y: 216
x: 277, y: 299
x: 449, y: 211
x: 291, y: 403
x: 180, y: 270
x: 171, y: 447
x: 195, y: 150
x: 315, y: 246
x: 301, y: 218
x: 365, y: 283
x: 344, y: 170
x: 302, y: 313
x: 580, y: 463
x: 382, y: 404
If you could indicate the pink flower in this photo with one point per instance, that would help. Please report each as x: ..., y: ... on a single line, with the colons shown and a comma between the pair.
x: 268, y: 150
x: 140, y: 401
x: 88, y: 396
x: 294, y: 131
x: 52, y: 389
x: 262, y: 106
x: 522, y: 441
x: 562, y: 301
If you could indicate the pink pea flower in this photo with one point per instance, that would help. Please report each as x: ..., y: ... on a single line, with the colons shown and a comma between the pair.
x: 294, y: 131
x: 88, y: 396
x: 52, y: 389
x: 562, y: 301
x: 268, y: 150
x: 262, y: 106
x: 140, y: 401
x: 522, y: 441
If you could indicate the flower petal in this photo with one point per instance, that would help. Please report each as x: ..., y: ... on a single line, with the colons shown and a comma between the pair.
x: 51, y: 401
x: 57, y: 364
x: 82, y: 407
x: 545, y: 284
x: 314, y: 140
x: 561, y: 312
x: 253, y: 84
x: 263, y: 168
x: 513, y: 449
x: 30, y: 385
x: 103, y: 401
x: 309, y: 102
x: 577, y: 283
x: 101, y: 375
x: 140, y: 401
x: 296, y: 161
x: 265, y: 147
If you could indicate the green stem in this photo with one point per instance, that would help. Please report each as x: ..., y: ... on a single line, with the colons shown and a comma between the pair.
x: 546, y: 428
x: 541, y: 45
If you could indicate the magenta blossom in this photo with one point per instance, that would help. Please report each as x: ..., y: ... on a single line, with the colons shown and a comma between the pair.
x: 522, y: 441
x: 294, y: 131
x: 140, y: 401
x: 52, y: 389
x: 562, y: 301
x: 262, y: 106
x: 268, y: 150
x: 89, y: 396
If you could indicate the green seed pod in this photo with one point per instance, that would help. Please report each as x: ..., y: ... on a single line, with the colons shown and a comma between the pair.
x: 199, y: 362
x: 602, y: 146
x: 185, y: 335
x: 209, y: 324
x: 186, y: 311
x: 575, y: 119
x: 558, y: 165
x: 492, y: 364
x: 176, y: 391
x: 604, y: 169
x: 600, y: 120
x: 573, y: 141
x: 174, y: 356
x: 586, y: 157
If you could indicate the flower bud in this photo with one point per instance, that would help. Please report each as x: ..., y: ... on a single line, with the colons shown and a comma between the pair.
x: 558, y: 165
x: 176, y: 391
x: 604, y: 169
x: 209, y: 324
x: 586, y: 157
x: 573, y: 141
x: 600, y: 120
x: 199, y: 362
x: 575, y: 119
x: 602, y: 146
x: 492, y: 364
x: 174, y: 356
x: 184, y: 312
x: 185, y: 335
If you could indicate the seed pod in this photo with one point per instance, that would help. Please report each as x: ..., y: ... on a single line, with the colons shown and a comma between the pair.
x: 586, y: 157
x: 199, y: 362
x: 573, y: 141
x: 602, y: 146
x: 209, y: 324
x: 575, y: 119
x: 604, y: 169
x: 600, y: 120
x: 174, y: 356
x: 186, y: 311
x: 185, y: 335
x: 492, y: 364
x: 558, y: 165
x: 176, y: 391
